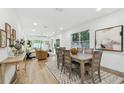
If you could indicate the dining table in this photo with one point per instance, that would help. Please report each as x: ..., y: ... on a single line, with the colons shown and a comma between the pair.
x: 82, y: 59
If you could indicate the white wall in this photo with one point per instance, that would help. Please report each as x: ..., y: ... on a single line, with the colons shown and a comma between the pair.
x: 112, y: 60
x: 9, y: 16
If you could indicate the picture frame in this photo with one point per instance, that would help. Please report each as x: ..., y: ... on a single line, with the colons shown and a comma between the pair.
x: 3, y: 38
x: 109, y: 39
x: 14, y: 34
x: 8, y: 30
x: 11, y: 40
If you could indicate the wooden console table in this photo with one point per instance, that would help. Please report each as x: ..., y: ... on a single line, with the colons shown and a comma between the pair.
x: 13, y: 61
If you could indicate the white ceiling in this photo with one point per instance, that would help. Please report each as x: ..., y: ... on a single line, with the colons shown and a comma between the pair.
x: 50, y: 20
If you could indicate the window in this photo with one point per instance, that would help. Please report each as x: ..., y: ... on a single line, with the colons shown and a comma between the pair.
x: 75, y: 37
x: 84, y: 38
x: 80, y: 40
x: 37, y: 43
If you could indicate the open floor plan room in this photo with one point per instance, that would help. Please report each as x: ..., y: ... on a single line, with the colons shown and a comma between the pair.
x: 61, y: 46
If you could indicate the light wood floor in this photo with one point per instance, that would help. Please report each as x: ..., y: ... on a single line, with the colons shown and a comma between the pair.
x: 36, y: 73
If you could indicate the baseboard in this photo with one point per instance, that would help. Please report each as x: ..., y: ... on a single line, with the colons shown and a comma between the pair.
x: 118, y: 73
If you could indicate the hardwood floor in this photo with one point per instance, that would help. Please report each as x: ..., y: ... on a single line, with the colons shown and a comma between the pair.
x: 36, y: 73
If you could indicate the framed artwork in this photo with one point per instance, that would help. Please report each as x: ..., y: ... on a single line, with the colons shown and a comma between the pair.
x: 3, y: 38
x: 109, y: 39
x: 8, y: 30
x: 11, y: 41
x: 14, y: 34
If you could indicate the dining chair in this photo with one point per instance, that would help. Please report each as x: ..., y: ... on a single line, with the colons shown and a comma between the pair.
x: 57, y: 50
x: 59, y: 57
x: 95, y: 65
x: 63, y: 48
x: 80, y: 50
x: 68, y: 62
x: 88, y: 51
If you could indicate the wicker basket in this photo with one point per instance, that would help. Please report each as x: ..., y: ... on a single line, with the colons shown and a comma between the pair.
x: 74, y: 51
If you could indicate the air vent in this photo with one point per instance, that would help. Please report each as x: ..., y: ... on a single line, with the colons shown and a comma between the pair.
x: 59, y: 9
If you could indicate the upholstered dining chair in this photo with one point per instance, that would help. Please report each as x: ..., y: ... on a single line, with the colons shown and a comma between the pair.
x: 80, y: 50
x: 68, y: 64
x: 63, y: 48
x: 88, y: 51
x: 95, y: 65
x: 57, y: 50
x: 60, y: 58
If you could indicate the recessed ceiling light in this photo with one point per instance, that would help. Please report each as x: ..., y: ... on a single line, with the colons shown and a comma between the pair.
x: 53, y: 32
x: 35, y: 24
x: 98, y: 9
x: 61, y: 28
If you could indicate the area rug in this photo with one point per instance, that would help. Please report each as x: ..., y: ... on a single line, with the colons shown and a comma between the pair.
x: 107, y: 78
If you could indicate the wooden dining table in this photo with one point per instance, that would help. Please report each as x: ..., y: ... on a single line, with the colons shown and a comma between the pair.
x: 82, y: 59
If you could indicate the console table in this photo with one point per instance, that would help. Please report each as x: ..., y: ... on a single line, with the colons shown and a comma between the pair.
x: 13, y: 61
